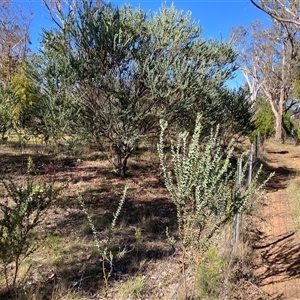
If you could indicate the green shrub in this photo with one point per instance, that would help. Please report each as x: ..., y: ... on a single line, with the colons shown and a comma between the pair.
x: 20, y: 214
x: 202, y: 186
x: 208, y: 275
x: 264, y: 120
x: 204, y: 190
x: 288, y: 125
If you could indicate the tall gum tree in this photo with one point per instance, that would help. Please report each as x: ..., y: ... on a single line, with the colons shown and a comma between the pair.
x: 283, y: 11
x: 14, y: 39
x: 270, y: 56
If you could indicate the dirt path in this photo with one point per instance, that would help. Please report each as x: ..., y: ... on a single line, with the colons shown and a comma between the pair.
x: 278, y: 265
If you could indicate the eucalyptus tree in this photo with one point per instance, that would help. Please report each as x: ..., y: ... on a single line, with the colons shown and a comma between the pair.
x: 270, y: 56
x: 130, y: 69
x: 287, y: 11
x: 283, y: 11
x: 247, y: 61
x: 14, y: 39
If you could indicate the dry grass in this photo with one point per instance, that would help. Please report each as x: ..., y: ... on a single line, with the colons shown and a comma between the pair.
x: 293, y: 192
x: 67, y: 264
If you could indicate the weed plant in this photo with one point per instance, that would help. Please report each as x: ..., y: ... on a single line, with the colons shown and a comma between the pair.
x: 208, y: 275
x: 203, y: 188
x: 133, y: 288
x: 107, y: 257
x: 20, y: 213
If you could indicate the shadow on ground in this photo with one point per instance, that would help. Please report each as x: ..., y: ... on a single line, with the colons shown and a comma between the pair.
x: 280, y: 178
x: 280, y: 259
x: 140, y: 229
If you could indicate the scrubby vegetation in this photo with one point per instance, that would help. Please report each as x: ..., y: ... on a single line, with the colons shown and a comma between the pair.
x: 119, y: 153
x: 113, y: 246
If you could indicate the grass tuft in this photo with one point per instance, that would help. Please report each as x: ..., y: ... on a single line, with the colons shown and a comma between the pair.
x: 293, y: 192
x: 133, y: 287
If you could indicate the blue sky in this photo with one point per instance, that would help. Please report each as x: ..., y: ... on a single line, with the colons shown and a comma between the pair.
x: 216, y: 17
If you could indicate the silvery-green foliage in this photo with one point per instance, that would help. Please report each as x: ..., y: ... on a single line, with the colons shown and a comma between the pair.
x: 130, y: 68
x: 202, y: 185
x: 103, y: 249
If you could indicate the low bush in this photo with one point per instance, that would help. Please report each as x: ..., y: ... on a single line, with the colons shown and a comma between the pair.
x: 204, y: 190
x: 21, y: 212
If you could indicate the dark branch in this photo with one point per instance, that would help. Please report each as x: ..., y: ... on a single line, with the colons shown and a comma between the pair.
x: 274, y: 15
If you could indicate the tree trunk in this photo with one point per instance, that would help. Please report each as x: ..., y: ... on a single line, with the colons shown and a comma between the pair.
x: 122, y: 159
x: 124, y: 166
x: 278, y: 128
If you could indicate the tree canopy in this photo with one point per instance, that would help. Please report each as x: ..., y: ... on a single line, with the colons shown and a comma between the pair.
x: 286, y: 11
x: 269, y: 57
x: 129, y: 69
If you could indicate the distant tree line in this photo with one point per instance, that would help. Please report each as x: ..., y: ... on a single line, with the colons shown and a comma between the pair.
x: 269, y: 59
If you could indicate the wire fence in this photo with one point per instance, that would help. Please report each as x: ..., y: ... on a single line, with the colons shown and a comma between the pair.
x: 252, y: 159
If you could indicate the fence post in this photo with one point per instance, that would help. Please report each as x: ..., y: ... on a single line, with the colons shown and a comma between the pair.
x: 257, y: 145
x: 237, y: 218
x: 250, y: 165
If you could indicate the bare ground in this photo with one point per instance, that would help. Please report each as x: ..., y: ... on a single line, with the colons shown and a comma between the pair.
x: 278, y: 245
x: 67, y: 258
